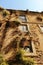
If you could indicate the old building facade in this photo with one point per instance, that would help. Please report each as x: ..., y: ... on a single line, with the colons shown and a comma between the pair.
x: 21, y: 29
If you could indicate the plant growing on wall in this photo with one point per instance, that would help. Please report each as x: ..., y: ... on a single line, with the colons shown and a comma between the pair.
x: 5, y: 12
x: 24, y: 60
x: 2, y: 61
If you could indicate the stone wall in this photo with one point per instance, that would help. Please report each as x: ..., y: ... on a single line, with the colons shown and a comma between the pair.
x: 9, y: 32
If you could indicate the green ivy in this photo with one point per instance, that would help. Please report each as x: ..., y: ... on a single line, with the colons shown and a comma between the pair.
x: 24, y: 60
x: 2, y: 61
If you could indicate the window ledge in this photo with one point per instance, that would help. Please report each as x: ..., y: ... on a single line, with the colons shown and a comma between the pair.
x: 30, y: 54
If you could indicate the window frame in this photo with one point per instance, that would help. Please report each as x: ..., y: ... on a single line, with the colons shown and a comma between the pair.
x: 33, y: 49
x: 26, y: 30
x: 33, y: 53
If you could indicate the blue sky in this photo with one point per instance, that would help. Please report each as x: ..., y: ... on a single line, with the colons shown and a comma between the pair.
x: 34, y: 5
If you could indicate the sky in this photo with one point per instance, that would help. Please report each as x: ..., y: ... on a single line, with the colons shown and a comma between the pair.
x: 32, y: 5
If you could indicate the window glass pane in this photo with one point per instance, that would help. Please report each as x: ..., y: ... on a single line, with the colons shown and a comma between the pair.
x: 23, y: 28
x: 23, y: 18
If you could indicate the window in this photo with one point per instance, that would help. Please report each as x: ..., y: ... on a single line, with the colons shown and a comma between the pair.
x: 23, y: 28
x: 41, y: 27
x: 28, y: 47
x: 23, y: 18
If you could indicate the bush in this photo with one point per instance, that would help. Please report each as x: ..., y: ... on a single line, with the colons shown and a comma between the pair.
x: 28, y: 61
x: 24, y: 60
x: 2, y: 61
